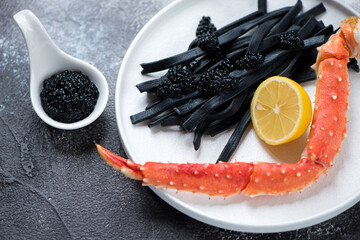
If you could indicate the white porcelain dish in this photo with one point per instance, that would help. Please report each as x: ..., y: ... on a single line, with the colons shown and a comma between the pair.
x: 170, y: 32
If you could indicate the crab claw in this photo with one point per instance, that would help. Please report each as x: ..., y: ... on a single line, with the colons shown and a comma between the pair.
x: 125, y: 166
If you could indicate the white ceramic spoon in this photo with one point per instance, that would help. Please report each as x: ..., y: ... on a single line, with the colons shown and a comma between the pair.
x: 46, y: 59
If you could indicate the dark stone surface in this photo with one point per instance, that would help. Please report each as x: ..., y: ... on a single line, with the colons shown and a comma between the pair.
x: 53, y: 185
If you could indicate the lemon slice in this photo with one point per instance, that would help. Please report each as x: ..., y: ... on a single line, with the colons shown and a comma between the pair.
x: 280, y: 110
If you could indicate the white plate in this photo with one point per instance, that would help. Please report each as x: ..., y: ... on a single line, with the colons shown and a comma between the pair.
x: 170, y: 32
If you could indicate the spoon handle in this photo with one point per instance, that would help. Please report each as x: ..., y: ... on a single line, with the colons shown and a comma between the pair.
x: 42, y: 50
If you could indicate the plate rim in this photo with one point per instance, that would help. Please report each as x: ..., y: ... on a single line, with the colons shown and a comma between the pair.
x: 195, y: 213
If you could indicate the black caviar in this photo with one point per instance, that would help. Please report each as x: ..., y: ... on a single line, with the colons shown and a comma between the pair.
x: 69, y: 96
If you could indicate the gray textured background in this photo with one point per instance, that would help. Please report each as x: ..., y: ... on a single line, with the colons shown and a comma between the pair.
x: 53, y: 185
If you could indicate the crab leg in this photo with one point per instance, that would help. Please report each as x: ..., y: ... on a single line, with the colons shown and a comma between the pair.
x: 328, y: 127
x: 327, y: 132
x: 282, y: 178
x: 223, y: 179
x: 329, y: 123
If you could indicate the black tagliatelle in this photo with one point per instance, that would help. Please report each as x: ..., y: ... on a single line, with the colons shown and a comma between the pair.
x: 208, y: 88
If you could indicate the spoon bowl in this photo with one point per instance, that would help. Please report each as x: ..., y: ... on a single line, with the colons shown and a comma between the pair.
x: 46, y: 59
